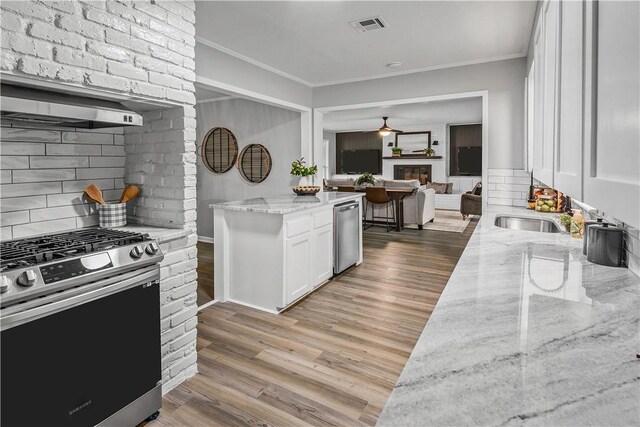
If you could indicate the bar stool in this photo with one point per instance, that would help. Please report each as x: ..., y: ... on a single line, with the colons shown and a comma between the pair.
x: 378, y: 196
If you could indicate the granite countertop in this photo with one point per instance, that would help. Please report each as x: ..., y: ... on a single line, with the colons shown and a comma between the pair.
x: 526, y: 332
x: 287, y: 204
x: 161, y: 234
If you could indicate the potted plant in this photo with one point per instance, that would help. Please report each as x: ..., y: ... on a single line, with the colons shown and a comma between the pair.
x: 429, y: 152
x: 365, y: 180
x: 396, y: 151
x: 298, y: 168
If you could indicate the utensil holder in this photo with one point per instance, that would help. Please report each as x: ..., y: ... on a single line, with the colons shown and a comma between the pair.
x: 112, y: 215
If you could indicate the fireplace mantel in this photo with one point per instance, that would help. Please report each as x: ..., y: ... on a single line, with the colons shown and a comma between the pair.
x: 412, y: 157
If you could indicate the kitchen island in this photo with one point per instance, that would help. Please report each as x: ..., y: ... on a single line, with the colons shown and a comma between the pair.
x: 270, y: 252
x: 526, y: 332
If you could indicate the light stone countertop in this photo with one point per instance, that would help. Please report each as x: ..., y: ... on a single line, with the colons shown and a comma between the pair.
x: 526, y: 332
x: 288, y: 203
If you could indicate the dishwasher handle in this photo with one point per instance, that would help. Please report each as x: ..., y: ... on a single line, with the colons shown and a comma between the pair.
x: 346, y: 207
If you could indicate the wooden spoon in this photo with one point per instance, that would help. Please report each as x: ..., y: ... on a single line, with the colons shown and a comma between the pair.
x: 93, y: 192
x: 130, y: 192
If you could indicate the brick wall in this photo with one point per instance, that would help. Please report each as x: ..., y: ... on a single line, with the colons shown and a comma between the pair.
x: 44, y: 173
x: 144, y: 49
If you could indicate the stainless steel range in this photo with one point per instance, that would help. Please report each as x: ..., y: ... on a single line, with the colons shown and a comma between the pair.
x: 80, y: 329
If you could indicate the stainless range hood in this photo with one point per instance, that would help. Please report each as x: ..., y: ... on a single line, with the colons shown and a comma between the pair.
x: 58, y: 109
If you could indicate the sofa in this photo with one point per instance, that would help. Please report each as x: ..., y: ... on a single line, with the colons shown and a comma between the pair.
x: 419, y: 207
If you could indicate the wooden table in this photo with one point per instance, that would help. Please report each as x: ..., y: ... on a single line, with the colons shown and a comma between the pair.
x: 397, y: 195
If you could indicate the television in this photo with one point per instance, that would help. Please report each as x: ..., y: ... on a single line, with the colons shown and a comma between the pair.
x: 360, y: 161
x: 470, y: 161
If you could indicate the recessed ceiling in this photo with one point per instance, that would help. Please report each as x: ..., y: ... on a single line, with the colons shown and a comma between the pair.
x: 313, y: 42
x: 406, y: 116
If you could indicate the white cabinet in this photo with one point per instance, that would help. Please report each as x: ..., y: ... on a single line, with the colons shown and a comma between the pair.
x: 299, y: 266
x: 586, y: 107
x: 568, y: 159
x: 546, y: 63
x: 322, y: 254
x: 612, y: 143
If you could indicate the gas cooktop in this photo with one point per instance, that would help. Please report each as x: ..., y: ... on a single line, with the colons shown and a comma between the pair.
x: 36, y: 266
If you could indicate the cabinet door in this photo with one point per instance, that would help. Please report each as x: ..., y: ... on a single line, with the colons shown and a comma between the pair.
x: 612, y: 148
x: 538, y: 91
x: 550, y: 24
x: 323, y: 254
x: 299, y: 266
x: 569, y: 145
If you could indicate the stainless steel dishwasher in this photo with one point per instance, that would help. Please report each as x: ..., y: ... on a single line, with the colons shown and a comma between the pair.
x: 346, y: 220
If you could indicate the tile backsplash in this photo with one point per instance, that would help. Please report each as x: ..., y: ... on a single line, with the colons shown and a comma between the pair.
x: 507, y: 187
x: 44, y: 172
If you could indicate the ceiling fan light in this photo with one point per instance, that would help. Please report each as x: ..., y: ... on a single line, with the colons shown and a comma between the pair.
x: 385, y: 129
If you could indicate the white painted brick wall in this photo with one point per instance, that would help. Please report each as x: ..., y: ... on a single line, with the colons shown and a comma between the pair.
x: 140, y: 48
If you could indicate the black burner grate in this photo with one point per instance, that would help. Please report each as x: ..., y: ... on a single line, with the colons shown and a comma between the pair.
x: 35, y: 250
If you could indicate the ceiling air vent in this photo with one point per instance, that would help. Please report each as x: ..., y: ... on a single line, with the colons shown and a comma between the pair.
x: 369, y: 24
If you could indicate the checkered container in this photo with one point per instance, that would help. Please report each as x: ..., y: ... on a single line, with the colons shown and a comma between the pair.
x: 112, y: 215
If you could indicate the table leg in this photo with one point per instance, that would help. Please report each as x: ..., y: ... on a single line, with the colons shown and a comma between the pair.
x: 399, y: 213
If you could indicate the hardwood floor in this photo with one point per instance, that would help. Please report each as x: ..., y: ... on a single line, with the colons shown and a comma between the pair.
x: 205, y: 273
x: 331, y: 360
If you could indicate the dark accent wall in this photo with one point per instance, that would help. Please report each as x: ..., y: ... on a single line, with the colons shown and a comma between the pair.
x: 462, y: 136
x: 356, y: 141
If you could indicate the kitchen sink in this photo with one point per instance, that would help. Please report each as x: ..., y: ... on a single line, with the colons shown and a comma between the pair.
x: 528, y: 224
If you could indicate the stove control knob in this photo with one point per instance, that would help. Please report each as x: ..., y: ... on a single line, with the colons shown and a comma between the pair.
x: 136, y: 252
x: 152, y: 248
x: 28, y: 278
x: 4, y: 284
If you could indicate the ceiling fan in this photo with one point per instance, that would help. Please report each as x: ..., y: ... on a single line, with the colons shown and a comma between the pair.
x: 385, y: 129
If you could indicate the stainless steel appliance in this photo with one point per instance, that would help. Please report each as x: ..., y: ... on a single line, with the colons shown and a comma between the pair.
x: 52, y: 108
x: 346, y: 222
x: 80, y: 329
x: 605, y: 245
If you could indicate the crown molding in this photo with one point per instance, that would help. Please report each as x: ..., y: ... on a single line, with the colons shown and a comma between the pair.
x: 221, y: 98
x: 251, y: 61
x: 284, y: 74
x: 421, y: 69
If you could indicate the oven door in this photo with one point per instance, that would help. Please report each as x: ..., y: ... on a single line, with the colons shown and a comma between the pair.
x: 77, y: 361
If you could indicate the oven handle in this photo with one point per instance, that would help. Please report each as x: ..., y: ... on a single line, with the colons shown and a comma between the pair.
x: 35, y: 313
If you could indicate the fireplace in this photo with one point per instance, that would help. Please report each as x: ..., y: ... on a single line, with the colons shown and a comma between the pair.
x: 420, y: 172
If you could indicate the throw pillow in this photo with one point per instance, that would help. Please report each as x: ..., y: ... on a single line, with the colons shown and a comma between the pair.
x: 477, y: 190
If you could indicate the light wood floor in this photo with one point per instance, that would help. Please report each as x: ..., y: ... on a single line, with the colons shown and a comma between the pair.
x: 331, y: 360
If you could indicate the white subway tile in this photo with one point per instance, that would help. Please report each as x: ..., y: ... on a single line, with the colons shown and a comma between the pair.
x: 51, y: 162
x: 45, y: 227
x: 17, y: 190
x: 496, y: 179
x: 6, y: 233
x: 501, y: 202
x: 13, y: 218
x: 47, y: 214
x: 87, y: 138
x: 5, y: 176
x: 76, y: 186
x: 8, y: 148
x: 30, y: 135
x: 517, y: 180
x: 22, y: 203
x: 43, y: 175
x: 87, y: 221
x: 73, y: 150
x: 14, y: 162
x: 504, y: 194
x: 97, y: 162
x: 116, y: 150
x: 97, y: 173
x: 66, y: 199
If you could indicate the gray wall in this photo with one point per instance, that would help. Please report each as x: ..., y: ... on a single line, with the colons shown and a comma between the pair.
x: 331, y: 137
x: 504, y: 81
x: 216, y: 65
x: 275, y: 128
